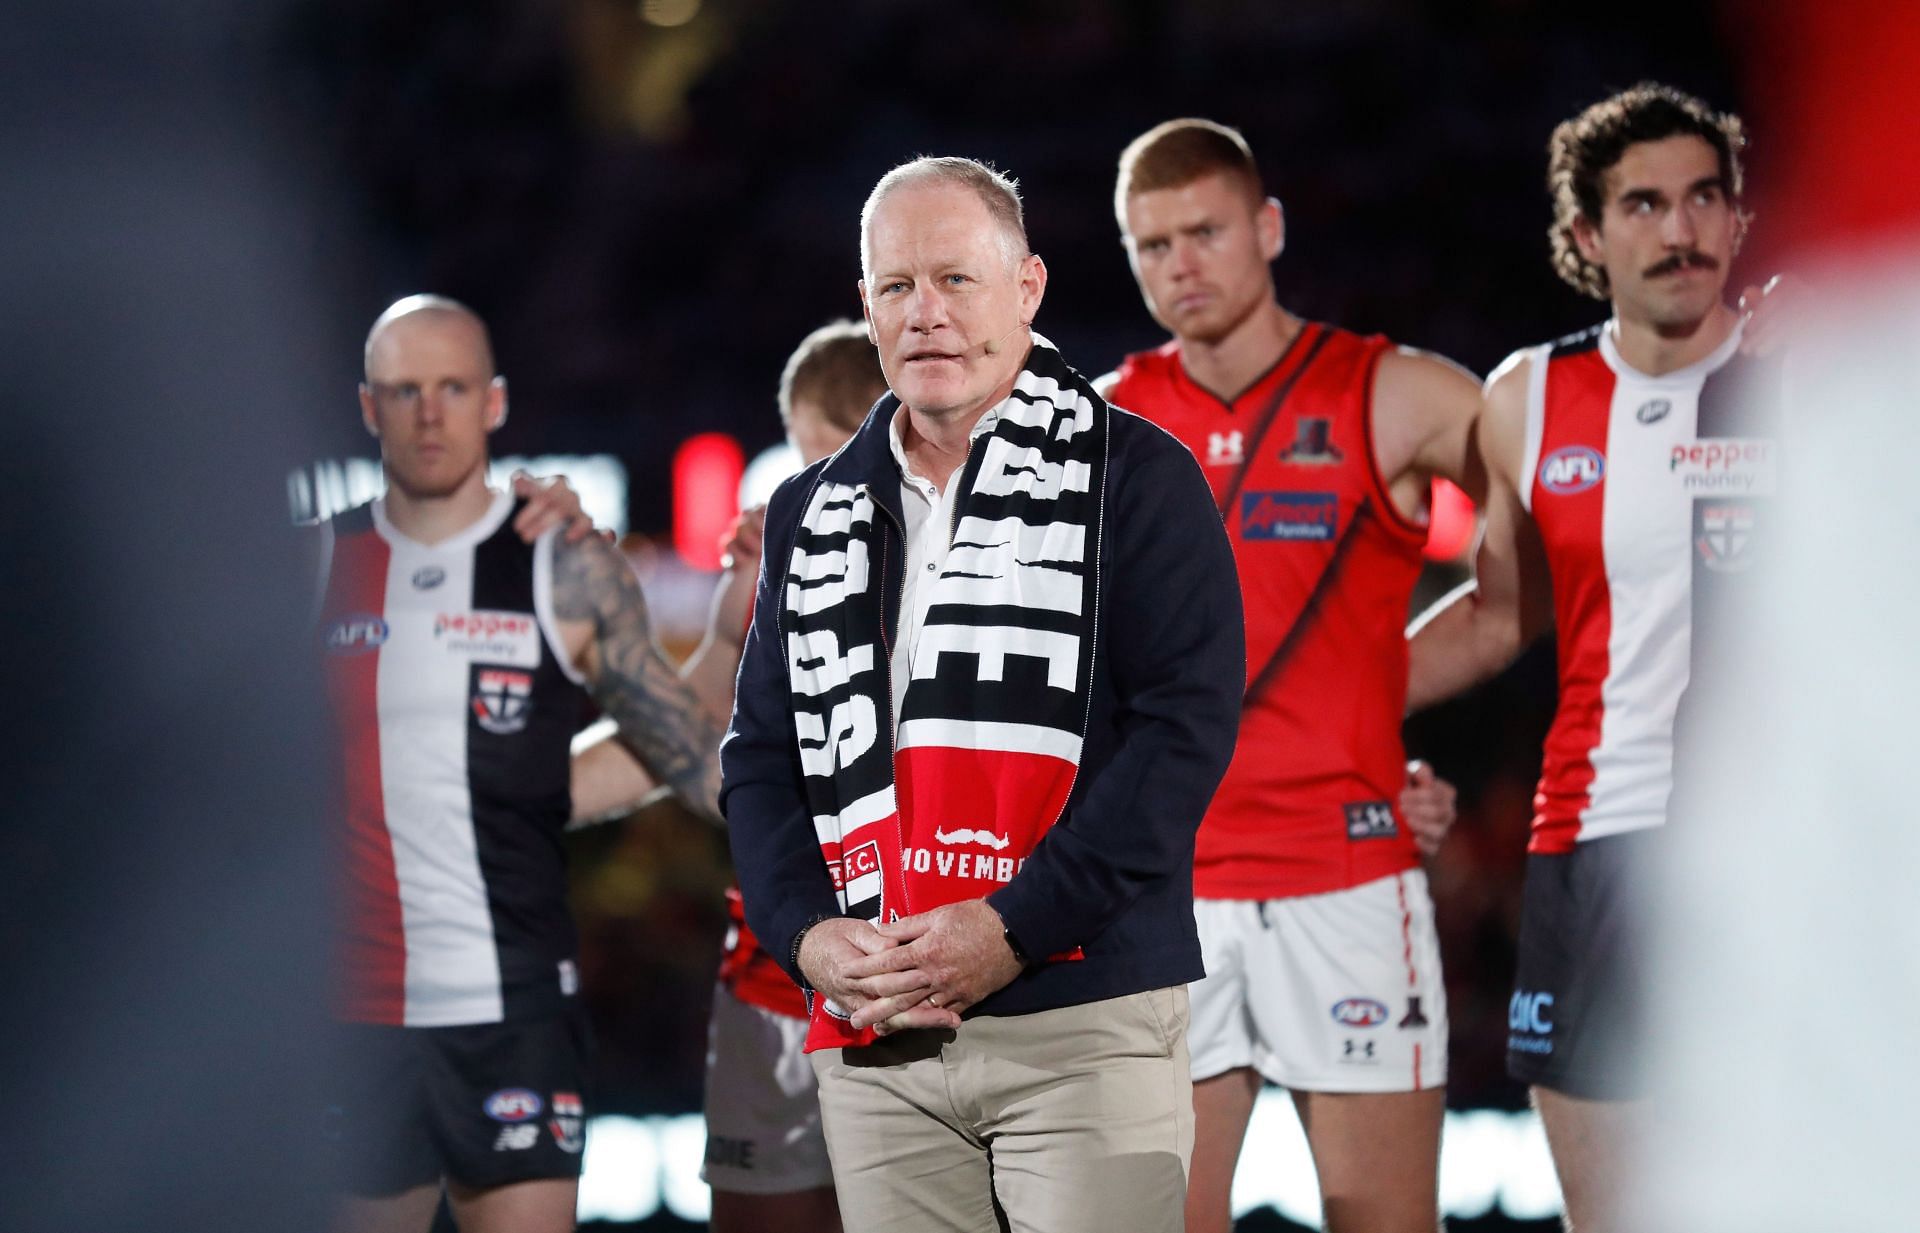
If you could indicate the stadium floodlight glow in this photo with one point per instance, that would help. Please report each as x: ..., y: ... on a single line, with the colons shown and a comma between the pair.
x: 621, y: 1169
x: 1489, y: 1158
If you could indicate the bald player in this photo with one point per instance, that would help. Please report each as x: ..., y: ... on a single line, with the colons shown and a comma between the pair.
x: 1321, y: 446
x: 766, y: 1158
x: 455, y: 659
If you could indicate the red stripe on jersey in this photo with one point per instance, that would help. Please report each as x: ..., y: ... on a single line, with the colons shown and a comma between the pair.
x: 1406, y: 932
x: 373, y: 941
x: 1406, y: 956
x: 1568, y: 510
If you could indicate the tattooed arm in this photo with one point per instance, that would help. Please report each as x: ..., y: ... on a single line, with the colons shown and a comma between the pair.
x: 603, y: 620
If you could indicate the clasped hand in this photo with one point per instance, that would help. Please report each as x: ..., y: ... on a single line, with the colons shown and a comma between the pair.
x: 917, y: 972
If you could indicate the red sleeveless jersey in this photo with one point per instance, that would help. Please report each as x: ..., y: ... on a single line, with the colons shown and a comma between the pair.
x: 1327, y: 567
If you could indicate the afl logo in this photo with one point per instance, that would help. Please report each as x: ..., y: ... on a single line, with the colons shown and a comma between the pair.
x: 1359, y: 1012
x: 355, y: 635
x: 1571, y: 469
x: 428, y: 577
x: 513, y: 1104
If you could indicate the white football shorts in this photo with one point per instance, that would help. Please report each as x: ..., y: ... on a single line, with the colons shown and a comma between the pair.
x: 1338, y: 992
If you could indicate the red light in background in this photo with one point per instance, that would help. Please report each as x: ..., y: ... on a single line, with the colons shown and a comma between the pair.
x: 1449, y: 523
x: 706, y: 496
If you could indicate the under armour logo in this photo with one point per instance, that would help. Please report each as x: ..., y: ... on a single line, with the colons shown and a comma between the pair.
x: 1225, y: 449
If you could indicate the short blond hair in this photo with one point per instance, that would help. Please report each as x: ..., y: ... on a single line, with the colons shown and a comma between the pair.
x: 837, y: 368
x: 1178, y: 152
x: 999, y: 192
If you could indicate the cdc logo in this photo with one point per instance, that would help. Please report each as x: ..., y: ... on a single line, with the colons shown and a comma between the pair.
x: 1530, y: 1012
x: 1571, y: 469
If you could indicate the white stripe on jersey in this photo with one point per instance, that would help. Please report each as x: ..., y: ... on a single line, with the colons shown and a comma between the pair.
x: 453, y: 968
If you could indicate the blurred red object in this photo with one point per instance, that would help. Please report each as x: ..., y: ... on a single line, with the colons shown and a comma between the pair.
x: 706, y: 496
x: 1449, y: 523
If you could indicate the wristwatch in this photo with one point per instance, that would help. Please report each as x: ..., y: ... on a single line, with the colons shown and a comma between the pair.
x: 793, y: 959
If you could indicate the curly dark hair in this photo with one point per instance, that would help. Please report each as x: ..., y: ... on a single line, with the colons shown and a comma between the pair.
x: 1582, y: 150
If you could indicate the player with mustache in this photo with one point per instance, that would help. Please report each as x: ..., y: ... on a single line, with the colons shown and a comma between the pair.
x: 1626, y: 476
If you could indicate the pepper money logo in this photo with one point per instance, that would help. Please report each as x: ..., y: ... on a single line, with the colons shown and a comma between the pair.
x: 1725, y: 466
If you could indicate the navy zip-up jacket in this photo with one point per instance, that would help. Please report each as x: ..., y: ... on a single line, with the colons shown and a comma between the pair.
x: 1114, y: 876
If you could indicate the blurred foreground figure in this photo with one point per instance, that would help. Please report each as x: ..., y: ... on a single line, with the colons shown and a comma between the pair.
x: 160, y: 939
x: 454, y: 656
x: 766, y: 1157
x: 1788, y: 977
x: 1321, y: 446
x: 1628, y: 478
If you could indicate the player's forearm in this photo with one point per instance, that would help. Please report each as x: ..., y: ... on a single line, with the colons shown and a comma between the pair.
x: 668, y: 728
x: 660, y: 720
x: 710, y: 672
x: 608, y: 782
x: 1459, y: 642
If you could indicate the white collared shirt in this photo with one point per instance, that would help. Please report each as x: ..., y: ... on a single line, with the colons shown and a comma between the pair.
x: 929, y: 523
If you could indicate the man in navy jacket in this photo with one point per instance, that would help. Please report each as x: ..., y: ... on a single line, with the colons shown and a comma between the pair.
x: 1021, y: 1053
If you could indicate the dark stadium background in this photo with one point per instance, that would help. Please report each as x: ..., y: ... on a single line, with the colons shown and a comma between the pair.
x: 650, y: 216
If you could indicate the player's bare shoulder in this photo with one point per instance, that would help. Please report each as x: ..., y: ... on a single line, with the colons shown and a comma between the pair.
x: 590, y: 577
x: 1423, y: 408
x: 1503, y: 416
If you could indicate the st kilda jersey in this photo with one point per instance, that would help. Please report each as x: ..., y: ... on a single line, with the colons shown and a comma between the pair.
x: 1650, y: 494
x: 1327, y: 566
x: 452, y: 710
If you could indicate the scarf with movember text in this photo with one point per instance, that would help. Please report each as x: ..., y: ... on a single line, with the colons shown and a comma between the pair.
x: 990, y: 733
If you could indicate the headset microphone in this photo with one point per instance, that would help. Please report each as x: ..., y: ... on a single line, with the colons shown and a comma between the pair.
x: 993, y: 345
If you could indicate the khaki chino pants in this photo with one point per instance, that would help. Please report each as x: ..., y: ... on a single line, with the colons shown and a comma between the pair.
x: 1077, y: 1120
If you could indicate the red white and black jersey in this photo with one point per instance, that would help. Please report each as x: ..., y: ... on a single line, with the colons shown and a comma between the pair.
x: 1327, y: 567
x: 1646, y: 491
x: 453, y: 710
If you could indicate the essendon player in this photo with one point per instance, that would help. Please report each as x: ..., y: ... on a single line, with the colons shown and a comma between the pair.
x: 1625, y: 482
x: 454, y: 652
x: 766, y: 1158
x: 1323, y: 970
